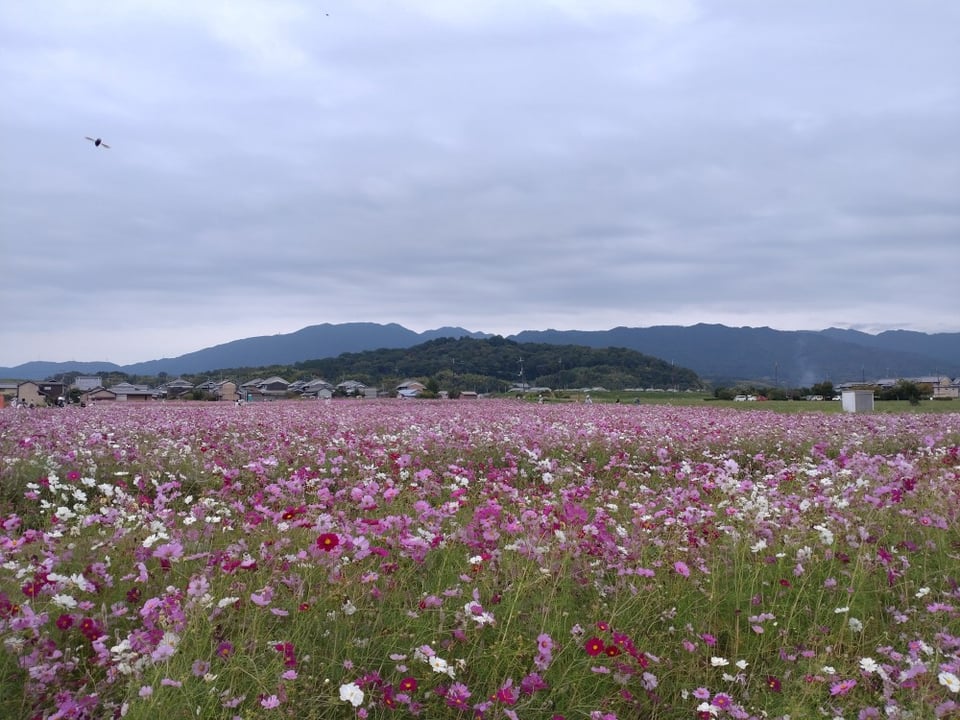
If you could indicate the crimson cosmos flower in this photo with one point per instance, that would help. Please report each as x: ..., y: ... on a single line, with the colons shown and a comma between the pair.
x: 594, y: 646
x: 328, y: 541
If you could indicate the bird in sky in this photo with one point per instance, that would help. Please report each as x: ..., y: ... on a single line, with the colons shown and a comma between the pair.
x: 97, y: 141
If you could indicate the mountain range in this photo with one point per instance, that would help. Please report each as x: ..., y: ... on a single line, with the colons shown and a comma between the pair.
x: 719, y: 354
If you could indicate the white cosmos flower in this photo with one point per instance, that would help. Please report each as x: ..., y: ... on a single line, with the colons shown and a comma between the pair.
x: 64, y: 601
x: 351, y: 693
x: 440, y: 665
x: 950, y: 681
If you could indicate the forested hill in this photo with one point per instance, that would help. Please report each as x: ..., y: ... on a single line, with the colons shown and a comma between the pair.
x: 492, y: 363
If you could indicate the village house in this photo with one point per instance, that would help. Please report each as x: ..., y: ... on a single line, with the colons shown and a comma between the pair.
x: 226, y: 390
x: 275, y: 386
x: 352, y: 388
x: 941, y: 386
x: 8, y: 390
x: 946, y: 388
x: 320, y: 389
x: 96, y: 395
x: 39, y: 394
x: 28, y: 393
x: 259, y: 389
x: 219, y: 389
x: 410, y: 388
x: 174, y: 388
x: 86, y: 382
x: 128, y: 392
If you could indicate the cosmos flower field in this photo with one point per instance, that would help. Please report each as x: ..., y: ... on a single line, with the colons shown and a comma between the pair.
x: 487, y: 559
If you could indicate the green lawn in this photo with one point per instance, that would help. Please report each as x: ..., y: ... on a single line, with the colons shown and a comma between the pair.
x: 788, y: 406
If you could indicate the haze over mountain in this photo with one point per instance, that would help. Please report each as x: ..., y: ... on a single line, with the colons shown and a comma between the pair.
x: 717, y: 353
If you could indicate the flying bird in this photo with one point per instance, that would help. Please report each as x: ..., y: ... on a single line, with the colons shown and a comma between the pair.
x: 97, y: 141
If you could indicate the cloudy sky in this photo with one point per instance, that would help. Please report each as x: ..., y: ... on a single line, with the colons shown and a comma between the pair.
x: 494, y: 164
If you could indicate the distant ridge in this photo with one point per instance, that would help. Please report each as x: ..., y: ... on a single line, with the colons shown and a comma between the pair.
x: 797, y: 358
x: 314, y: 341
x: 717, y: 353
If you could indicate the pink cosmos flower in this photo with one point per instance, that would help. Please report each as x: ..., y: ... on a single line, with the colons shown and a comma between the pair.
x: 722, y: 701
x: 506, y: 694
x: 532, y: 683
x: 224, y: 649
x: 842, y: 687
x: 457, y: 695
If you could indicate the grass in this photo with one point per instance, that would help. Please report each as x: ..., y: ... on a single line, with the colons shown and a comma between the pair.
x: 695, y: 399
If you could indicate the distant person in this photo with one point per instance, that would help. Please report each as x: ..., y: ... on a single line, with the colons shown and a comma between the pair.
x: 589, y: 400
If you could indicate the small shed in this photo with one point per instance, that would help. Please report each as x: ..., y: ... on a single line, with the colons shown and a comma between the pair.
x: 856, y: 401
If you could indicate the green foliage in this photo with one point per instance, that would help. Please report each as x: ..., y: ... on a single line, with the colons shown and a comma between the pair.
x: 471, y: 363
x: 905, y: 390
x: 825, y: 389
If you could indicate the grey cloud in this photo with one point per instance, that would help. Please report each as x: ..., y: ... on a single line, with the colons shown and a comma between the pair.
x: 573, y: 164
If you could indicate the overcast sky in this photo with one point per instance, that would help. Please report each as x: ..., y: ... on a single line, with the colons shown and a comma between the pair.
x: 494, y: 164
